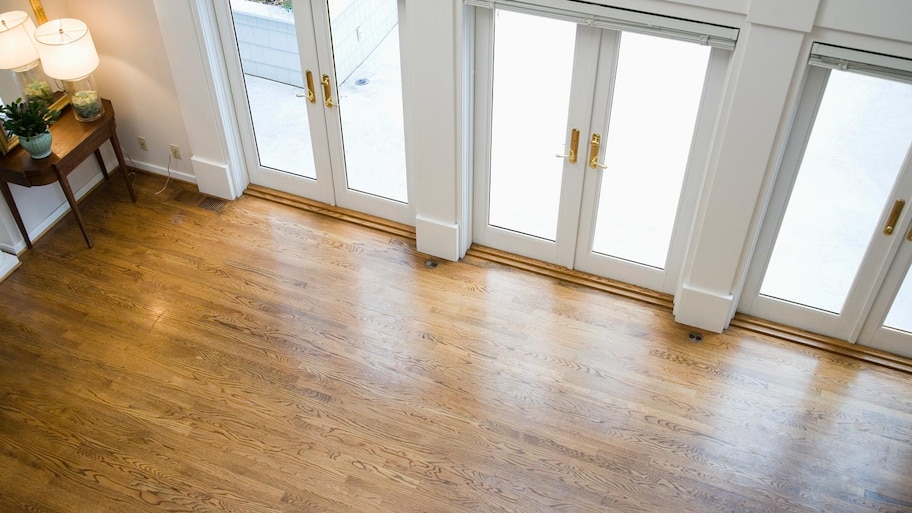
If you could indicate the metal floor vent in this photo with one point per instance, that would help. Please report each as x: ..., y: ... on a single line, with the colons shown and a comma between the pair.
x: 196, y: 199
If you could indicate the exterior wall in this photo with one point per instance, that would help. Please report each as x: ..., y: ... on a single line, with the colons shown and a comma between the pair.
x: 268, y: 48
x: 358, y: 30
x: 267, y: 43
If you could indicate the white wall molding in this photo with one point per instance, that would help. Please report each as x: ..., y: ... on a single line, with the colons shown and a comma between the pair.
x: 437, y: 238
x: 163, y: 171
x: 798, y: 15
x: 766, y: 67
x: 192, y: 46
x: 213, y: 178
x: 8, y: 264
x: 703, y: 309
x: 434, y: 69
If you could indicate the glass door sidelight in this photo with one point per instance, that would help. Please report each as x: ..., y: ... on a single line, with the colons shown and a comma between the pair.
x: 585, y: 139
x: 833, y: 251
x: 320, y: 84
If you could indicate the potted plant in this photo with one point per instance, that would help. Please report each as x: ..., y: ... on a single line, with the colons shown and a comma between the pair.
x: 31, y: 122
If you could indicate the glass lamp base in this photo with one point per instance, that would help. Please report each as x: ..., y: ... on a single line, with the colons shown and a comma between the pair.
x: 84, y: 98
x: 34, y: 83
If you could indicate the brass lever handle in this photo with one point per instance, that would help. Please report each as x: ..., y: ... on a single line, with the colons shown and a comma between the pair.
x: 909, y: 237
x: 574, y: 147
x: 594, y: 145
x: 894, y: 216
x: 327, y: 93
x: 311, y: 96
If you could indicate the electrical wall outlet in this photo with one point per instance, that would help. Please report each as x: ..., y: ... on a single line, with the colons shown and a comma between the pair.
x: 175, y: 151
x: 142, y: 143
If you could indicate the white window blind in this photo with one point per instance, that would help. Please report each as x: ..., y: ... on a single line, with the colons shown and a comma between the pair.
x: 846, y: 59
x: 620, y: 19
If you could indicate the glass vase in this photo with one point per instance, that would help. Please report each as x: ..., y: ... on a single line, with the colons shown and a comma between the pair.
x: 34, y: 83
x: 84, y: 98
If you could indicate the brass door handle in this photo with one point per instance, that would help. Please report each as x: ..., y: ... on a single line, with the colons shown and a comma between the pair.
x: 311, y: 96
x: 327, y: 92
x: 594, y: 145
x: 574, y: 147
x: 894, y: 216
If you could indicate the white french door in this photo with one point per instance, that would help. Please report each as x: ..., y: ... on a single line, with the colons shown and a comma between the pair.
x: 590, y: 142
x: 836, y: 244
x: 319, y: 91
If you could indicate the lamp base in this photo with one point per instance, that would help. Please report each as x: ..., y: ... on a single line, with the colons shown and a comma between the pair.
x: 33, y: 83
x: 84, y: 98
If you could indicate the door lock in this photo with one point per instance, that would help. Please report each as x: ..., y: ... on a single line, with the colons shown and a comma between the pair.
x: 594, y: 145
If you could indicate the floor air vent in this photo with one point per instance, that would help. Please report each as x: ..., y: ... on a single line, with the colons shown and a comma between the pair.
x: 200, y: 200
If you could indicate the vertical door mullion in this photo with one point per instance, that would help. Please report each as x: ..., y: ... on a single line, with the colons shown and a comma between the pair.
x: 483, y: 60
x: 309, y: 51
x: 588, y: 73
x: 333, y: 164
x: 600, y: 119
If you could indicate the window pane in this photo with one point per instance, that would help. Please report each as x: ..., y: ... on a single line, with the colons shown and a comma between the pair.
x: 275, y: 86
x: 654, y: 109
x: 527, y: 131
x: 365, y: 39
x: 857, y: 145
x: 900, y: 316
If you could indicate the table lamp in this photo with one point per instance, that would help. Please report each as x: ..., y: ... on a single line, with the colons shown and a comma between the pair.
x: 18, y: 53
x: 68, y: 54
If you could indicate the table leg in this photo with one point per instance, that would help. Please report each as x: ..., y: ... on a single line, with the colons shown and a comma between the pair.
x: 8, y: 196
x: 104, y: 170
x: 65, y: 185
x: 115, y: 142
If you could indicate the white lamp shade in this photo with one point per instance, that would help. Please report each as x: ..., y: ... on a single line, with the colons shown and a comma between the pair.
x: 16, y: 48
x: 66, y: 48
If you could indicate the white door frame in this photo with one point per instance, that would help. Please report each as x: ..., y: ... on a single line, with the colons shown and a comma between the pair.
x: 576, y: 212
x: 872, y: 279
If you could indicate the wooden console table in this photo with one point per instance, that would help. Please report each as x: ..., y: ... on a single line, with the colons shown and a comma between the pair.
x: 73, y: 141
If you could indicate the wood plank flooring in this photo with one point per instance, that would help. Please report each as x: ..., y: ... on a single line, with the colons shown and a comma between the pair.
x: 266, y: 359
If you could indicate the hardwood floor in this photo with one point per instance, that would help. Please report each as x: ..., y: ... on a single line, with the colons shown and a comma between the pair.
x: 264, y: 359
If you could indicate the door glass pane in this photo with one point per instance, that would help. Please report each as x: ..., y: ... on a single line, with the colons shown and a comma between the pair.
x: 275, y: 86
x: 856, y: 147
x: 533, y: 62
x: 365, y: 40
x: 900, y: 316
x: 654, y: 108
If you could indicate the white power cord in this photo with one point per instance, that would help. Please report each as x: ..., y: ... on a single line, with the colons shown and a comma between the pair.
x: 167, y: 179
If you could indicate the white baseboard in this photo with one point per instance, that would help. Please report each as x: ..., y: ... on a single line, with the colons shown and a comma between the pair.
x: 703, y: 309
x: 436, y: 238
x: 213, y: 178
x: 158, y: 170
x: 8, y: 264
